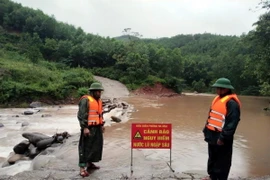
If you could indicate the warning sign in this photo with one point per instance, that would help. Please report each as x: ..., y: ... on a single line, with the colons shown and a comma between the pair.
x: 137, y: 135
x: 146, y: 135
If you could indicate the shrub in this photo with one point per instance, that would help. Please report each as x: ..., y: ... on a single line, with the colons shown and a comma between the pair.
x: 152, y: 80
x: 199, y: 86
x: 82, y: 91
x: 174, y: 83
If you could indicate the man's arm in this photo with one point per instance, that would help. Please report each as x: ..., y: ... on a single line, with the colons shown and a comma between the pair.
x: 82, y: 114
x: 231, y: 121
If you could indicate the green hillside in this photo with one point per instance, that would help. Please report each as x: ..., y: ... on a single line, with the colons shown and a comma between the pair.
x: 23, y: 81
x: 44, y: 58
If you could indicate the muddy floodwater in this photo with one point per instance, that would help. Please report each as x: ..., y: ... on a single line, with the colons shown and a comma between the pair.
x: 187, y: 114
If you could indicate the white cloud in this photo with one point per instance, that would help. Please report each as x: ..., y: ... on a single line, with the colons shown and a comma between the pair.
x: 153, y: 18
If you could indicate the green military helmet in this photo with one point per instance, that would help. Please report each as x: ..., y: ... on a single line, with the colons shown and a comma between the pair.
x: 96, y: 86
x: 223, y: 83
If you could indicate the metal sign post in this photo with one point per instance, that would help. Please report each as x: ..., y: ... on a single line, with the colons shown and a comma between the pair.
x: 131, y: 162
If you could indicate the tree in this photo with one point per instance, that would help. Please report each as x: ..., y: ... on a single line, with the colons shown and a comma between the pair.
x: 260, y: 38
x: 49, y: 49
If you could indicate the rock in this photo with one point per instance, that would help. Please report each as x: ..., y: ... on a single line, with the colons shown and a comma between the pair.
x: 17, y: 157
x: 32, y: 151
x: 116, y: 119
x: 28, y: 112
x: 59, y: 139
x: 43, y: 144
x: 22, y: 147
x: 114, y: 100
x: 106, y: 101
x: 106, y: 110
x: 15, y: 116
x: 35, y: 104
x: 113, y: 106
x: 25, y: 124
x: 125, y: 106
x: 35, y: 137
x: 1, y: 125
x: 64, y: 135
x: 46, y: 115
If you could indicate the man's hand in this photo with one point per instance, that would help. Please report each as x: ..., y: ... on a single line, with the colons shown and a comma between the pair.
x: 219, y: 142
x: 103, y: 129
x: 86, y: 132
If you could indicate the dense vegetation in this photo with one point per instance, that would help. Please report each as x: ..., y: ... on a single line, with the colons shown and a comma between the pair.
x: 41, y: 57
x: 23, y: 81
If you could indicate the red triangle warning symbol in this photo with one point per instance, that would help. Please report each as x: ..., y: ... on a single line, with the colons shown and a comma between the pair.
x: 138, y: 135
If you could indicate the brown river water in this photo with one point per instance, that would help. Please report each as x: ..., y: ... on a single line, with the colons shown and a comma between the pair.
x: 187, y: 114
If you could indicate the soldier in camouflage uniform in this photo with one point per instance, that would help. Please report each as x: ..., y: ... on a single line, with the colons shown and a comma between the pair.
x: 92, y: 128
x: 219, y: 130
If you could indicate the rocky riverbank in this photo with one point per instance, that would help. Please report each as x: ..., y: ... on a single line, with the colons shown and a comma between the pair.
x: 61, y: 163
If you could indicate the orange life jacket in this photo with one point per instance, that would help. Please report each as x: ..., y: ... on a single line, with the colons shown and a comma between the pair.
x: 95, y: 111
x: 218, y: 111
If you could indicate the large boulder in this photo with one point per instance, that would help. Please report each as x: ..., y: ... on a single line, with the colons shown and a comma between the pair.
x: 35, y: 137
x: 32, y: 151
x: 22, y: 147
x: 43, y: 144
x: 16, y: 157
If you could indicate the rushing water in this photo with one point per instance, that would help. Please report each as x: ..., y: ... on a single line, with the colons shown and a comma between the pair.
x: 187, y: 114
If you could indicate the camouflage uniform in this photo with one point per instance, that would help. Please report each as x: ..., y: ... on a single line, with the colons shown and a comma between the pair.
x: 90, y: 147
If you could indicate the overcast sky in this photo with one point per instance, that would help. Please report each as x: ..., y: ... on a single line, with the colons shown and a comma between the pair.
x: 153, y: 18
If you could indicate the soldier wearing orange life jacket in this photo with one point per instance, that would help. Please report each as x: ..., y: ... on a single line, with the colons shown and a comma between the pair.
x: 90, y: 116
x: 221, y: 124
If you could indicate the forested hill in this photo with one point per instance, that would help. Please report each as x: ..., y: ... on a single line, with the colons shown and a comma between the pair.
x: 182, y: 62
x: 127, y: 38
x: 182, y: 40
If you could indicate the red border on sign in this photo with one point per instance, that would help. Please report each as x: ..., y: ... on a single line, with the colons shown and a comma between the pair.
x: 151, y: 136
